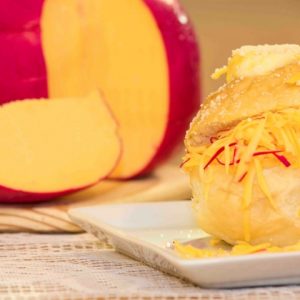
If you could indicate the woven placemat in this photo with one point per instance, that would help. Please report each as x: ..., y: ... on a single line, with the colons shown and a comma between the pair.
x: 66, y: 266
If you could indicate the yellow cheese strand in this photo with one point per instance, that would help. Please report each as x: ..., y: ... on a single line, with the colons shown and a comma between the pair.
x: 247, y: 197
x: 188, y: 251
x: 248, y: 183
x: 266, y: 141
x: 287, y: 144
x: 262, y: 183
x: 242, y: 167
x: 207, y: 181
x: 227, y: 158
x: 293, y: 141
x: 295, y: 79
x: 296, y: 143
x: 243, y: 248
x: 201, y: 169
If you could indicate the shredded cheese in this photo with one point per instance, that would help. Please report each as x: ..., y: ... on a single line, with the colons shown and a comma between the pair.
x: 214, y: 242
x: 247, y: 197
x: 262, y: 182
x: 245, y: 150
x: 227, y: 158
x: 241, y: 248
x: 188, y: 251
x: 250, y: 149
x: 295, y: 79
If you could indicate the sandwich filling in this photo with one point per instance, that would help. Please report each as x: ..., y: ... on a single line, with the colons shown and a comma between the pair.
x: 254, y: 144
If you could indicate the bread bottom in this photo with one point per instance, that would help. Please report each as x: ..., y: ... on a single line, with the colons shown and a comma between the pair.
x: 220, y: 211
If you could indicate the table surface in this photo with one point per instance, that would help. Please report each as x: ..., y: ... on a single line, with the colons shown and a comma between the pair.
x: 77, y: 266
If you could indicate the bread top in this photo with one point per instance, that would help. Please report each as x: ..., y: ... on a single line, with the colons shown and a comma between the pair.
x: 248, y: 96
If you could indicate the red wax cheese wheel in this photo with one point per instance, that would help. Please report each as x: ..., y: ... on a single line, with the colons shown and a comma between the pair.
x: 50, y: 148
x: 142, y: 54
x: 22, y: 63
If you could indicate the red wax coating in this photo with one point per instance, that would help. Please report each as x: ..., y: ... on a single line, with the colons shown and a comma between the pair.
x: 23, y: 71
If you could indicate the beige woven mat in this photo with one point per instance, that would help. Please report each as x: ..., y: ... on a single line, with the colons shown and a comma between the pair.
x: 66, y: 266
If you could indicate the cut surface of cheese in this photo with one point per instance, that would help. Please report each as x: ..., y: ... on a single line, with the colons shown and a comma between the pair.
x: 48, y: 146
x: 115, y: 46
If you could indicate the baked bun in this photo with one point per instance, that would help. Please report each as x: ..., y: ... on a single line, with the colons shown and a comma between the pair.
x: 246, y: 96
x: 222, y: 214
x: 243, y: 149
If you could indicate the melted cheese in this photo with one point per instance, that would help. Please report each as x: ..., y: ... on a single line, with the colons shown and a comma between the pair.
x: 219, y: 72
x: 242, y: 155
x: 249, y: 61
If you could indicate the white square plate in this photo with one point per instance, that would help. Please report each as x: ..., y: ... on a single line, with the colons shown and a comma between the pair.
x: 144, y: 230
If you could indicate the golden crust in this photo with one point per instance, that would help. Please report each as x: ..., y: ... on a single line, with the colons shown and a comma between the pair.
x: 244, y: 98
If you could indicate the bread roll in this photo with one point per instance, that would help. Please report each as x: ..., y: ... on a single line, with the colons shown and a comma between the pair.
x: 243, y: 149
